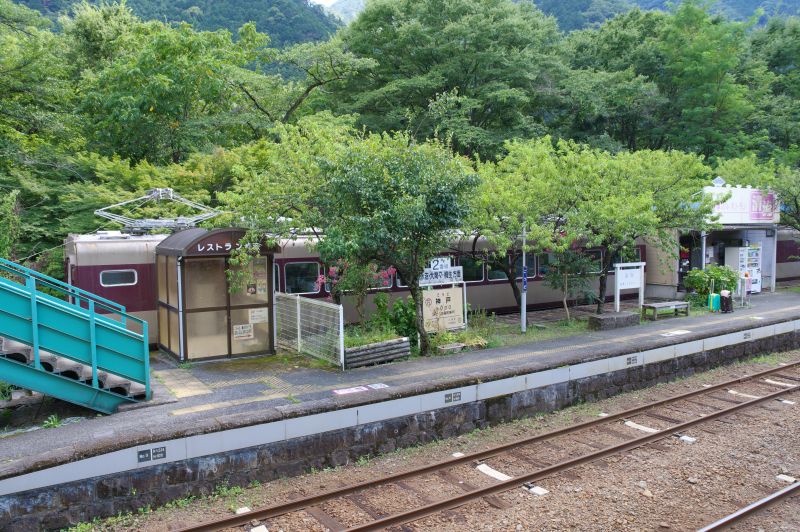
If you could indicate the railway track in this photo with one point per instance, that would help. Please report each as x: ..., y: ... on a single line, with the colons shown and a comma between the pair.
x: 402, y: 498
x: 739, y: 515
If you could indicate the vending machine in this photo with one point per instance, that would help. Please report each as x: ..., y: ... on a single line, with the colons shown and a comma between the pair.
x: 746, y: 259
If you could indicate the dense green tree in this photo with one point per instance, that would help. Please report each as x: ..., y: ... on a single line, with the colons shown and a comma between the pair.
x: 707, y: 102
x: 652, y: 194
x: 477, y: 72
x: 163, y: 97
x: 777, y: 47
x: 529, y: 189
x: 395, y: 202
x: 9, y: 224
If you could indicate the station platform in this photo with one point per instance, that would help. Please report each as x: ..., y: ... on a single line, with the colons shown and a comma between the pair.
x: 217, y: 396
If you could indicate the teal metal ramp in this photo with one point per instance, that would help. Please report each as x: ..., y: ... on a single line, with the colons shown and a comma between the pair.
x: 70, y: 344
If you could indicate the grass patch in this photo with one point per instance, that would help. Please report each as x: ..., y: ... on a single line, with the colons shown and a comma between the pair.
x: 52, y: 422
x: 5, y: 391
x: 357, y: 335
x: 485, y: 331
x: 269, y: 363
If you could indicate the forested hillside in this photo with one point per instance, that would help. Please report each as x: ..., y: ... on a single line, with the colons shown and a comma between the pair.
x: 286, y: 21
x: 577, y: 14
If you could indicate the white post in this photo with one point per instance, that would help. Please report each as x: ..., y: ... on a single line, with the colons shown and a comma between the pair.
x: 523, y: 311
x: 641, y: 287
x: 774, y: 279
x: 299, y: 337
x: 616, y: 287
x: 183, y: 355
x: 341, y: 336
x: 703, y: 250
x: 464, y: 301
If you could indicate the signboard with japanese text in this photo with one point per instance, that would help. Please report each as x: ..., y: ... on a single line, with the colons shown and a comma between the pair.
x: 259, y: 315
x: 628, y: 275
x: 243, y: 332
x: 449, y: 275
x: 441, y: 263
x: 629, y: 278
x: 222, y: 242
x: 745, y: 205
x: 443, y: 309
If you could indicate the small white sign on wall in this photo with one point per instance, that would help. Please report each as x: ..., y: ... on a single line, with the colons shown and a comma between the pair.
x: 628, y: 275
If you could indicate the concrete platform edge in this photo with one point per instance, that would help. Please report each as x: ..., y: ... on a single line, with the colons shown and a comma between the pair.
x: 341, y: 415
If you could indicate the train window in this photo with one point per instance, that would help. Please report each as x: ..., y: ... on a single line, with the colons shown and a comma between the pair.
x: 301, y: 277
x: 597, y: 257
x: 400, y: 282
x: 545, y: 260
x: 382, y: 279
x: 531, y: 263
x: 495, y: 274
x: 473, y: 269
x: 628, y: 255
x: 276, y: 274
x: 118, y: 278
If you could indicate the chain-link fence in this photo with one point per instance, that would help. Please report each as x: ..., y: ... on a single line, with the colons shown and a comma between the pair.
x: 310, y: 326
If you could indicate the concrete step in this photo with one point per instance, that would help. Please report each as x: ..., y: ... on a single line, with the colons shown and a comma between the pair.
x: 53, y: 363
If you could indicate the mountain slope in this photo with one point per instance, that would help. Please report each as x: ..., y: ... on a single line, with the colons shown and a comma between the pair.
x: 577, y: 14
x: 286, y: 21
x: 347, y: 10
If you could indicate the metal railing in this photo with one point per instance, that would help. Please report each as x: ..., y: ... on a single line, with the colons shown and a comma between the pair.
x: 310, y: 326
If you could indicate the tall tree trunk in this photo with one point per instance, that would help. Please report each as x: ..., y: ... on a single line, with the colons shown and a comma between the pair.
x: 566, y: 293
x: 601, y: 299
x: 416, y: 296
x: 511, y: 273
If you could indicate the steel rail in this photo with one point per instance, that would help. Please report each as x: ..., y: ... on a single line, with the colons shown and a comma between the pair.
x: 752, y: 508
x: 280, y: 509
x: 459, y: 500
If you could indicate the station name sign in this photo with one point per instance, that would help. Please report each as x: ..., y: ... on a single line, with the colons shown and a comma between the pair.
x: 441, y: 271
x: 452, y: 274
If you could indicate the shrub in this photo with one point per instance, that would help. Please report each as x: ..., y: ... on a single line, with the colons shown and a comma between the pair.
x: 700, y: 281
x: 404, y: 319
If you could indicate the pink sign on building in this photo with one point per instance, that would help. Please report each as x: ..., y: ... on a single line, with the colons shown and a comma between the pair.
x: 762, y: 206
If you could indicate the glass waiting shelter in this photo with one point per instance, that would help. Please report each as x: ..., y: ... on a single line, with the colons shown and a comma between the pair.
x: 198, y: 316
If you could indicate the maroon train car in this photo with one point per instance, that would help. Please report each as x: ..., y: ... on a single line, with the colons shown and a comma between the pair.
x: 119, y: 267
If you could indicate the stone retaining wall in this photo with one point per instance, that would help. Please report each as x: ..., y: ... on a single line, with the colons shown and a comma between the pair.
x: 68, y: 504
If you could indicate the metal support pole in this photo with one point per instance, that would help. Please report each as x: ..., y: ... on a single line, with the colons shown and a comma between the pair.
x: 30, y: 283
x: 299, y: 337
x: 523, y: 311
x: 93, y: 344
x: 464, y: 300
x: 616, y: 287
x: 146, y: 360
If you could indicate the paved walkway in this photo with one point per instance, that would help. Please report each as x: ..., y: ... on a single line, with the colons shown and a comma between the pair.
x: 214, y: 395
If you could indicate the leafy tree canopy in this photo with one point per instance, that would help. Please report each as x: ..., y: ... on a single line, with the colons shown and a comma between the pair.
x: 477, y: 72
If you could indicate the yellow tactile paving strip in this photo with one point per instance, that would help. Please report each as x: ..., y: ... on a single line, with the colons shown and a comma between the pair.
x: 280, y: 388
x: 181, y: 383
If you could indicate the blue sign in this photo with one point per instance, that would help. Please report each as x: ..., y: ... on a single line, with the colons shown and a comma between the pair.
x: 525, y: 279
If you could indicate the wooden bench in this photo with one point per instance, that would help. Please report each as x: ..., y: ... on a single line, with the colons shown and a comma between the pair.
x: 680, y: 307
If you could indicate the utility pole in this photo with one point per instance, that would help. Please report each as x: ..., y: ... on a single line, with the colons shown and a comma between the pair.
x: 523, y: 311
